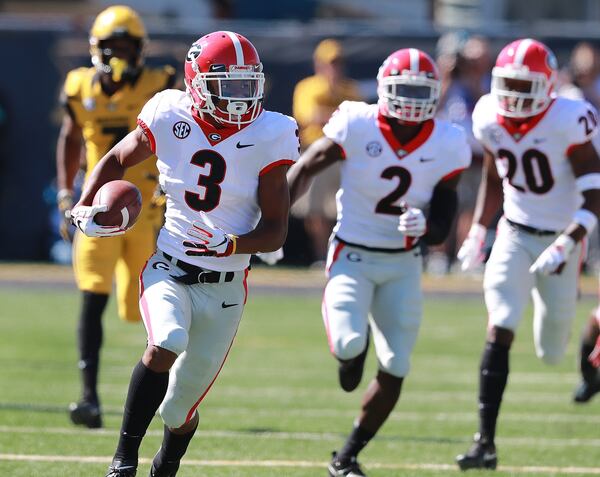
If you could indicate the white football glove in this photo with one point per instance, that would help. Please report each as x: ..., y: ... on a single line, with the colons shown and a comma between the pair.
x: 271, y: 258
x: 471, y: 251
x: 209, y: 241
x: 554, y: 257
x: 412, y: 223
x: 82, y: 217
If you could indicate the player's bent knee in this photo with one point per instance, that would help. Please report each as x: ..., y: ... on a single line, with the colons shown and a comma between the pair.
x: 176, y: 341
x: 171, y: 416
x: 551, y: 358
x: 158, y: 359
x: 395, y: 366
x: 349, y: 347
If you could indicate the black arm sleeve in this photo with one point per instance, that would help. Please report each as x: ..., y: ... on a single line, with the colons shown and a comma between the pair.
x: 442, y: 209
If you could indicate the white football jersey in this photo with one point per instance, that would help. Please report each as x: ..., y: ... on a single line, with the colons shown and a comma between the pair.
x: 538, y: 181
x: 212, y: 170
x: 378, y: 173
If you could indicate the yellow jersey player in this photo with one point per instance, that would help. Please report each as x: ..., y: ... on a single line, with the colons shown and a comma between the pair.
x: 102, y: 103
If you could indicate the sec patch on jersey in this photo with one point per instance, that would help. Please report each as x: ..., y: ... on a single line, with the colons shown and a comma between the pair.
x: 124, y: 202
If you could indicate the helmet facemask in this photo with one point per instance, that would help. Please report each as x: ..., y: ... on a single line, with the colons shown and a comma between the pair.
x: 409, y: 97
x: 520, y: 93
x: 230, y: 97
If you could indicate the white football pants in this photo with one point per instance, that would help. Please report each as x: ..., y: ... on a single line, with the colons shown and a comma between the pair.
x: 507, y: 284
x: 197, y: 322
x: 388, y: 285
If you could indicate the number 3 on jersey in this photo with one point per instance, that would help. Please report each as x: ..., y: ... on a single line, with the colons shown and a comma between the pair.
x: 208, y: 182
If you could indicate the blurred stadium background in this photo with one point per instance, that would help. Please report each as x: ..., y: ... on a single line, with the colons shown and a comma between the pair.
x: 275, y: 409
x: 41, y: 40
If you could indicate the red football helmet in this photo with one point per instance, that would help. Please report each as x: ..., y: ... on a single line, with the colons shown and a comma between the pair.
x: 523, y: 78
x: 223, y: 75
x: 408, y: 86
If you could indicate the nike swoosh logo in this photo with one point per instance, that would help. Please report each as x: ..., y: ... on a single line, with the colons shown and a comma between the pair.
x: 426, y: 159
x: 242, y: 146
x: 228, y: 305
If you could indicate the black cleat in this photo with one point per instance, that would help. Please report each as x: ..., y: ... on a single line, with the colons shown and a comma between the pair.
x: 481, y: 455
x: 120, y: 468
x: 166, y: 470
x: 344, y: 468
x: 586, y: 390
x: 85, y: 413
x: 350, y: 372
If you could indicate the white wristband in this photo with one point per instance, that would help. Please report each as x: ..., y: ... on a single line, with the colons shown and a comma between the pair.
x: 586, y: 219
x: 588, y: 181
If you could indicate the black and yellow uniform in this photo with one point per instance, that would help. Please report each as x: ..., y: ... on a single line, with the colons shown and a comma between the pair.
x: 105, y: 120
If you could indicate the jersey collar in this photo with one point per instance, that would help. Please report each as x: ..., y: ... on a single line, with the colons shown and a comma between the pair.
x: 518, y: 130
x: 403, y: 150
x: 213, y: 134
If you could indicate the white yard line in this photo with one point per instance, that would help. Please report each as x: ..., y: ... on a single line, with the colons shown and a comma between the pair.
x: 297, y: 463
x: 302, y: 436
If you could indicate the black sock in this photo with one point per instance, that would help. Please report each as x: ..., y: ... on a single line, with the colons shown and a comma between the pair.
x: 588, y: 372
x: 147, y: 389
x: 356, y: 442
x: 492, y: 381
x: 89, y: 334
x: 173, y: 447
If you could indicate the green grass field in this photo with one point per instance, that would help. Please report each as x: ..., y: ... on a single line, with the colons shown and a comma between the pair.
x: 276, y: 409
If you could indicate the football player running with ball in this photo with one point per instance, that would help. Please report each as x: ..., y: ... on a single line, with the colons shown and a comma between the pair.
x: 101, y: 105
x: 546, y: 177
x: 396, y: 162
x: 223, y: 163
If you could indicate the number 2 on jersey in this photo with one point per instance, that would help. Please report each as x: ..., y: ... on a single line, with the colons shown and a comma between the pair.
x: 209, y: 182
x: 386, y: 205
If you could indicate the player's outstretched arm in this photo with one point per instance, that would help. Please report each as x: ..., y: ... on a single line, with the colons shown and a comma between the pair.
x: 442, y: 209
x: 320, y: 155
x: 489, y: 196
x: 489, y: 200
x: 68, y: 153
x: 586, y: 167
x: 131, y: 150
x: 274, y: 202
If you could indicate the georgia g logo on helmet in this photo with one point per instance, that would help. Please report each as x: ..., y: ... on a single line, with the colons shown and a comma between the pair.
x: 193, y: 53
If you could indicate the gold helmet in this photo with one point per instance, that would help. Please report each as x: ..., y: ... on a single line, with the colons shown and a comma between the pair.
x: 118, y: 21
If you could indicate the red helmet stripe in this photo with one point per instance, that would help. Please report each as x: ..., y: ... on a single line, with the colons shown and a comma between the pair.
x: 522, y: 51
x: 239, y: 52
x: 414, y: 60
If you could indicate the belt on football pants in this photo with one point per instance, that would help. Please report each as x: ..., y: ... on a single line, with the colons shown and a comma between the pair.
x: 195, y: 274
x: 374, y: 249
x: 530, y: 230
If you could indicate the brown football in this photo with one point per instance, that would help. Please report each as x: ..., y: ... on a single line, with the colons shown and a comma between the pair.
x: 124, y: 202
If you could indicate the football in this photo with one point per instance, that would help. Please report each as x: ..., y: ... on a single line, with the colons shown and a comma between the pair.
x: 124, y: 202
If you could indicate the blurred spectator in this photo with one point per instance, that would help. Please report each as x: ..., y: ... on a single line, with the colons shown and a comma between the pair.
x: 465, y: 66
x: 582, y: 80
x: 315, y: 99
